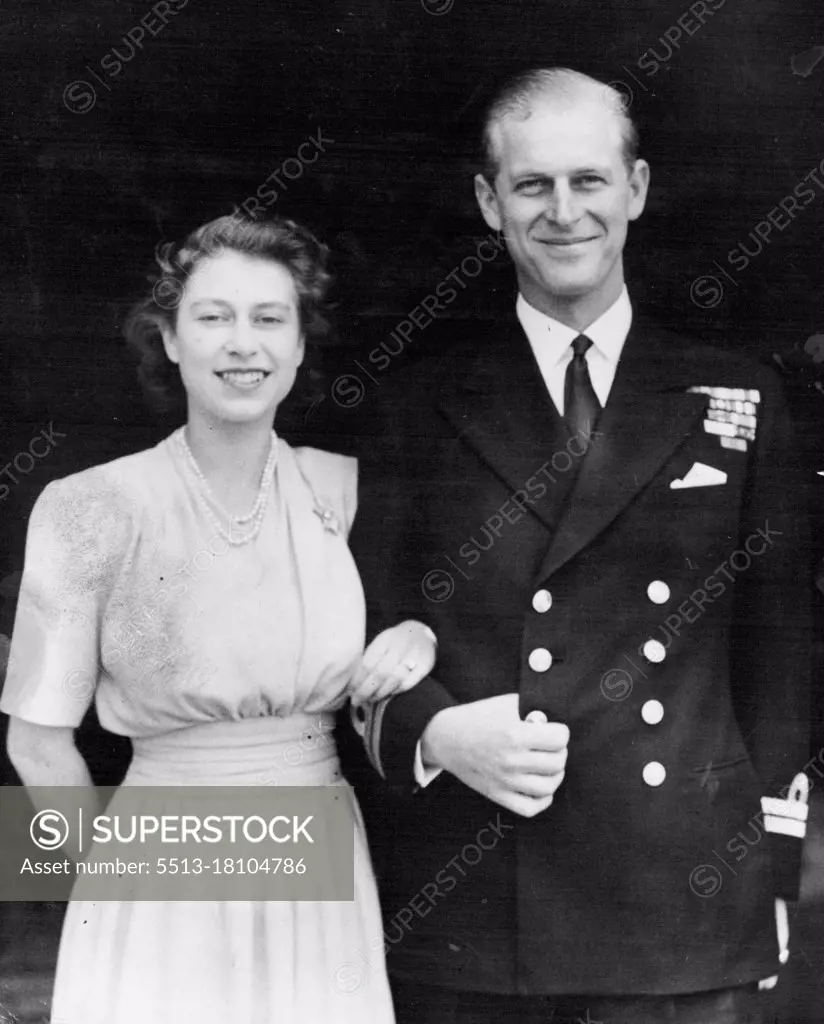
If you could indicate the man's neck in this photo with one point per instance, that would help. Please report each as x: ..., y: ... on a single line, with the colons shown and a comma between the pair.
x: 575, y: 311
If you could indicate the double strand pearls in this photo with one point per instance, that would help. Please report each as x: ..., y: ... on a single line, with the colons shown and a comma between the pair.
x: 207, y: 499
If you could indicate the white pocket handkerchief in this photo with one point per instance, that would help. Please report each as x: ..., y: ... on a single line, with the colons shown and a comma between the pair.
x: 700, y: 476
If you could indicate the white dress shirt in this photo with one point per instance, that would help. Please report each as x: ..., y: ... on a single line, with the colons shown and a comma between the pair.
x: 551, y: 343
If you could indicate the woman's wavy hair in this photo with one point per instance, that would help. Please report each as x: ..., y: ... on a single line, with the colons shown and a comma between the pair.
x: 279, y: 240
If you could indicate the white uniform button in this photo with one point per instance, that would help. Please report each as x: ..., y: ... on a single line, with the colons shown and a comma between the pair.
x: 542, y: 601
x: 654, y: 651
x: 540, y: 659
x: 536, y: 716
x: 654, y: 773
x: 652, y: 712
x: 658, y: 592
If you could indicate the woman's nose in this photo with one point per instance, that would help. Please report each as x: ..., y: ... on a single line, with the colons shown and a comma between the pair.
x: 243, y: 340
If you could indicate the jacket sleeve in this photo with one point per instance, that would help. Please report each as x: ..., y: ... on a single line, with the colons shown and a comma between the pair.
x: 382, y: 542
x: 770, y: 642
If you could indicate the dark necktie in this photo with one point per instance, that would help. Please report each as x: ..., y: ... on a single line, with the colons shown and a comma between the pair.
x: 581, y: 405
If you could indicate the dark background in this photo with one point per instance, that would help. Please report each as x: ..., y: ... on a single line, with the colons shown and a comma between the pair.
x: 199, y: 115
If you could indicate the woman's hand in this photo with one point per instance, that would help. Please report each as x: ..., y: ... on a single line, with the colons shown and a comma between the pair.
x: 396, y: 660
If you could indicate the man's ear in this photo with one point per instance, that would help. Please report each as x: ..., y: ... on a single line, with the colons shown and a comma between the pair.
x: 488, y: 202
x: 639, y: 186
x: 170, y: 343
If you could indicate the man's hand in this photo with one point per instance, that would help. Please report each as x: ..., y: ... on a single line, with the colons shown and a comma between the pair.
x: 485, y: 744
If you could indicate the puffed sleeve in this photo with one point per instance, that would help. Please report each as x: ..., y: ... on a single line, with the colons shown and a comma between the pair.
x: 75, y: 541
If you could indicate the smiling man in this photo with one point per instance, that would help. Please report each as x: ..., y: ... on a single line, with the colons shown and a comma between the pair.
x: 600, y: 521
x: 562, y: 181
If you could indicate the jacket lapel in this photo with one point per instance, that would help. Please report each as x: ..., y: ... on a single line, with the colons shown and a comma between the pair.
x: 503, y: 410
x: 648, y: 416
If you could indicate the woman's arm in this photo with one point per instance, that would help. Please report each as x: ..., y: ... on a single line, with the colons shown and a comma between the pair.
x: 46, y: 756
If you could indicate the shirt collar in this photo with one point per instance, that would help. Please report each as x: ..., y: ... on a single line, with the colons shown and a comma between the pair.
x: 607, y: 334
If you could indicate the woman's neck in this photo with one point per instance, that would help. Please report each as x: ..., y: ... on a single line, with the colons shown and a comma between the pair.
x: 231, y: 457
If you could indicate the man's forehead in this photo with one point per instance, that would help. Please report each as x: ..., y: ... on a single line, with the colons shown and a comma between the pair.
x: 560, y: 134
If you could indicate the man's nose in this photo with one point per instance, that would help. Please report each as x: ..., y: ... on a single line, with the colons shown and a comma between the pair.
x: 563, y: 208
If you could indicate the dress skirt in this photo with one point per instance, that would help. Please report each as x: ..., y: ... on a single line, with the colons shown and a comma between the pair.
x: 145, y: 962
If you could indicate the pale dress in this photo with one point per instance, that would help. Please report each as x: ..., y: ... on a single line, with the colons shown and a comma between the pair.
x: 218, y: 662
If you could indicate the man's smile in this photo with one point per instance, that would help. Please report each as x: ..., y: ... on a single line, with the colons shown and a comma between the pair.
x: 568, y: 243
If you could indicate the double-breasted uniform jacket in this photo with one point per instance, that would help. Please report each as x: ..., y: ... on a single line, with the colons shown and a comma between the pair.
x: 666, y: 625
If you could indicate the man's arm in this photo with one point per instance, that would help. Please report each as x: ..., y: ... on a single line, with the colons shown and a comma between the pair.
x: 380, y: 542
x: 483, y: 743
x: 771, y: 652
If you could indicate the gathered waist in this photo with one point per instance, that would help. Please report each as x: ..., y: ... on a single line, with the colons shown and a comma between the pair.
x: 298, y: 750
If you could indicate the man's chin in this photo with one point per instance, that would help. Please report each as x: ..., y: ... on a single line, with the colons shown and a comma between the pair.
x: 569, y: 286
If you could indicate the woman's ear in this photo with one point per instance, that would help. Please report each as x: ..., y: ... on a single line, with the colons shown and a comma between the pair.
x: 170, y: 343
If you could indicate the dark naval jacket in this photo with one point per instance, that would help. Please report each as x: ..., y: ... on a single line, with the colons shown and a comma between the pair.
x: 653, y: 594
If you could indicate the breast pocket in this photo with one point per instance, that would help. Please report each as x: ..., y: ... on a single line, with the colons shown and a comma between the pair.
x: 729, y: 784
x: 710, y: 497
x: 722, y: 764
x: 704, y: 478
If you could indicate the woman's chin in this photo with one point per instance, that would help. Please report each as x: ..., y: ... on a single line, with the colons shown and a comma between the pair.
x: 248, y: 411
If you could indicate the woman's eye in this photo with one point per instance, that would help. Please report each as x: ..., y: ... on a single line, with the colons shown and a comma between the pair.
x: 210, y: 317
x: 270, y: 320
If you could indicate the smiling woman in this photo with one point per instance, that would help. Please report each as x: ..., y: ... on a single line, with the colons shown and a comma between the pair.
x: 238, y: 341
x: 282, y: 244
x: 231, y: 665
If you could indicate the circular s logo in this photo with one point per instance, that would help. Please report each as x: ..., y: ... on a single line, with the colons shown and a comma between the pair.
x: 438, y: 585
x: 79, y: 97
x: 705, y: 880
x: 348, y: 979
x: 616, y: 684
x: 617, y: 96
x: 49, y: 830
x: 706, y: 291
x: 348, y: 391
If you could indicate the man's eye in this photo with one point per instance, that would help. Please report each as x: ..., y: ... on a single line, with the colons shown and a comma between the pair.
x: 590, y: 179
x: 530, y: 188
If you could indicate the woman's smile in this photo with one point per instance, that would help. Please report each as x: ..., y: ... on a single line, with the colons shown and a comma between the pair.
x: 243, y: 380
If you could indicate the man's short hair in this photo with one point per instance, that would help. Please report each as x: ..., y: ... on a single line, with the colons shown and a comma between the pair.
x: 516, y: 98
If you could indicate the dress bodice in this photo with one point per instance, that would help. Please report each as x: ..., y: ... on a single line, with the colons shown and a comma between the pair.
x: 131, y: 597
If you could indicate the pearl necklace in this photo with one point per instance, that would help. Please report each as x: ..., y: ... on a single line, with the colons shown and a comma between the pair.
x: 258, y: 511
